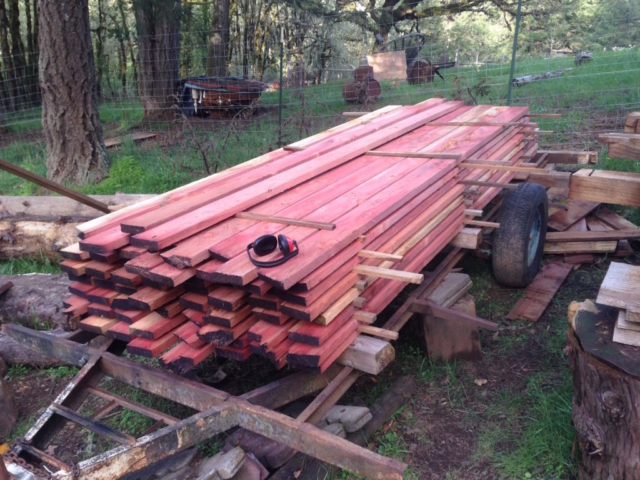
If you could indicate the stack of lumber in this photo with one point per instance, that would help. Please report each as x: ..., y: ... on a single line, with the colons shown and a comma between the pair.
x: 370, y: 204
x: 619, y: 289
x: 579, y: 229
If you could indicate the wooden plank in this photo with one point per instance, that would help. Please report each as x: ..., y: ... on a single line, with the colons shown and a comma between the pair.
x: 378, y: 332
x: 286, y: 221
x: 478, y: 183
x: 592, y: 236
x: 170, y: 275
x: 579, y: 247
x: 622, y: 188
x: 365, y: 317
x: 613, y: 219
x: 223, y: 336
x: 53, y: 186
x: 227, y: 298
x: 142, y: 264
x: 538, y: 295
x: 74, y: 267
x: 480, y: 223
x: 311, y: 356
x: 148, y: 298
x: 95, y: 426
x: 380, y: 256
x: 433, y: 155
x: 326, y: 300
x: 155, y: 326
x: 225, y: 318
x: 576, y: 210
x: 334, y: 310
x: 73, y: 252
x: 408, y: 277
x: 503, y: 168
x: 620, y: 287
x: 169, y: 232
x: 195, y: 301
x: 98, y: 325
x: 123, y: 277
x: 151, y: 348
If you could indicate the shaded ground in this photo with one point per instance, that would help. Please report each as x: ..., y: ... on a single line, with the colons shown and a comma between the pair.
x: 508, y: 416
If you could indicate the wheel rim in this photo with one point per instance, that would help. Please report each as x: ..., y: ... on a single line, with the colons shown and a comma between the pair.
x: 534, y: 238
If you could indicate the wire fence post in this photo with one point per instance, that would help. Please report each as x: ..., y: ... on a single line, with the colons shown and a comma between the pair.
x: 280, y: 87
x: 513, y: 55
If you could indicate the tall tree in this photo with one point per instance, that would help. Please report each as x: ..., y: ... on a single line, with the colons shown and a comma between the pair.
x: 70, y: 122
x: 158, y: 26
x: 7, y: 60
x: 219, y: 41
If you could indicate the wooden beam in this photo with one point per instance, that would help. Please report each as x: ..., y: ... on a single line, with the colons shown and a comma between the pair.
x: 53, y: 186
x: 570, y: 157
x: 592, y: 236
x: 551, y: 179
x: 322, y: 397
x: 96, y: 427
x: 477, y: 183
x: 368, y: 354
x: 380, y: 256
x: 390, y: 274
x: 621, y: 188
x: 429, y: 308
x: 445, y: 156
x: 503, y: 168
x: 580, y: 247
x: 482, y: 124
x: 286, y: 221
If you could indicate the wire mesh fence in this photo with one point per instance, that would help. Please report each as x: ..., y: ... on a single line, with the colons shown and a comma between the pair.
x: 211, y: 98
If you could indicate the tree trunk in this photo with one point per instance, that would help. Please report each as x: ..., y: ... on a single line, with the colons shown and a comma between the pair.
x: 605, y: 400
x: 158, y: 25
x: 70, y: 121
x: 217, y: 55
x: 32, y: 55
x: 100, y: 49
x: 7, y: 61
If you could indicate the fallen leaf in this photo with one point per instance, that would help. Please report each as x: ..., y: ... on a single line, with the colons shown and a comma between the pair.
x: 480, y: 381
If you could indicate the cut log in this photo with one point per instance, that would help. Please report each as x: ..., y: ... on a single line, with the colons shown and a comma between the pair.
x: 33, y: 239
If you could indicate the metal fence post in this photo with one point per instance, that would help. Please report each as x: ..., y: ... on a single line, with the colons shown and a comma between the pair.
x: 513, y: 55
x: 280, y: 86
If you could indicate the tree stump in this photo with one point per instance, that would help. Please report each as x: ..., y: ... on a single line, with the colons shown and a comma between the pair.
x: 606, y: 405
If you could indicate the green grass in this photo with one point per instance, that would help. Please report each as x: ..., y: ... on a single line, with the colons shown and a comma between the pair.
x: 603, y: 88
x: 21, y: 266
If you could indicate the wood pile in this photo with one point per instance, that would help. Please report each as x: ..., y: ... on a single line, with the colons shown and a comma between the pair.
x: 627, y: 144
x: 370, y: 204
x: 619, y: 289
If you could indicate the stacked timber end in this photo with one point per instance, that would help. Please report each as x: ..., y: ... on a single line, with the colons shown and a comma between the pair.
x: 370, y: 203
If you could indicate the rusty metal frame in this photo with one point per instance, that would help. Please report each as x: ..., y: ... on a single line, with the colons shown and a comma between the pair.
x: 218, y: 411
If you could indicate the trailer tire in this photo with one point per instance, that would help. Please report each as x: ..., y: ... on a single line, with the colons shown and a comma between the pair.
x: 518, y: 244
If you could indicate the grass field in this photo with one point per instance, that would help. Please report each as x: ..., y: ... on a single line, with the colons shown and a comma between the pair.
x: 592, y: 99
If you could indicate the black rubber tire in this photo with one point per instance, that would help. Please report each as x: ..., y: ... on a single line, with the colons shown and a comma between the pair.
x: 511, y: 266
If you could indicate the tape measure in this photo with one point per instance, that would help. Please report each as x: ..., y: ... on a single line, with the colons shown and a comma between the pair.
x: 267, y: 244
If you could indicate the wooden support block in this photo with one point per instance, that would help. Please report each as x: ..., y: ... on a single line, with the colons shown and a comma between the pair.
x: 399, y: 275
x: 446, y: 341
x: 368, y: 354
x: 380, y: 256
x: 551, y: 180
x: 430, y: 308
x: 468, y: 238
x: 480, y: 223
x: 286, y: 221
x: 620, y: 188
x: 378, y: 332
